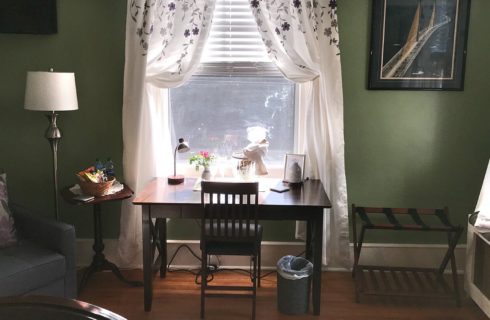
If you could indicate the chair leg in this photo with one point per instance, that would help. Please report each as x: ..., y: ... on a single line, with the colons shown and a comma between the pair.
x: 254, y: 284
x: 204, y: 276
x: 259, y: 267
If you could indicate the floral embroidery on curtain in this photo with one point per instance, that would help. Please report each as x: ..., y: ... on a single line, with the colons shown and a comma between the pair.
x: 139, y: 15
x: 289, y: 18
x: 185, y: 16
x: 332, y: 32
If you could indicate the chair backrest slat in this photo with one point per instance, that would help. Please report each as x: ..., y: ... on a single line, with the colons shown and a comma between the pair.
x: 229, y: 210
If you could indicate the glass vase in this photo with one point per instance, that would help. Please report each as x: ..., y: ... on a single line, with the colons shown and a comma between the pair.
x: 206, y: 174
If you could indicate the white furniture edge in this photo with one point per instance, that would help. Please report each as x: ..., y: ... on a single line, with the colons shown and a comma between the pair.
x: 474, y: 292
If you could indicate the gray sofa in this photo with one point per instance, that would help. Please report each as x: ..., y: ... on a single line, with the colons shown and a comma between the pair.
x: 43, y: 262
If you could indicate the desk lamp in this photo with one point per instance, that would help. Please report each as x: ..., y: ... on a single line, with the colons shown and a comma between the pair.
x: 181, y: 147
x: 51, y: 91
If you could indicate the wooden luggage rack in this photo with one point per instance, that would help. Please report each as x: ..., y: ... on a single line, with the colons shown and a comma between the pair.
x: 405, y: 281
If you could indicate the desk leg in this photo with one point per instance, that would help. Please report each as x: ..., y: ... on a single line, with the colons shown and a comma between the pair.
x: 147, y: 257
x: 161, y: 225
x: 308, y: 248
x: 317, y: 262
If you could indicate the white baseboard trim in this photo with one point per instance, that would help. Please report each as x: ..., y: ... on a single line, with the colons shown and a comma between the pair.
x: 403, y: 255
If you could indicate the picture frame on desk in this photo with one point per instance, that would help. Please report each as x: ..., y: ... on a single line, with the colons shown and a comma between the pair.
x: 294, y: 168
x: 418, y: 44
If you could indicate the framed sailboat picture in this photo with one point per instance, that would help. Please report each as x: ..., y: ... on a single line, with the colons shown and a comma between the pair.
x: 418, y: 44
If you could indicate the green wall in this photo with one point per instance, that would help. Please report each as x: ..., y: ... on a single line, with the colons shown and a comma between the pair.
x: 415, y: 148
x: 89, y: 42
x: 403, y: 148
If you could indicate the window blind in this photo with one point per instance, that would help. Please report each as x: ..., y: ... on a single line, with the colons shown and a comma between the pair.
x: 234, y: 36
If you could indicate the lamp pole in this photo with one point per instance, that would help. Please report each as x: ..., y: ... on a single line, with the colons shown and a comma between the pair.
x: 175, y: 161
x: 53, y: 135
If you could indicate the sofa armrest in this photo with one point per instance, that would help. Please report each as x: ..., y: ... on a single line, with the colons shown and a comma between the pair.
x: 57, y: 236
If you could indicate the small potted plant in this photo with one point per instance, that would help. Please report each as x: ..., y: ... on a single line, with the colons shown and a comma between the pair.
x: 204, y: 159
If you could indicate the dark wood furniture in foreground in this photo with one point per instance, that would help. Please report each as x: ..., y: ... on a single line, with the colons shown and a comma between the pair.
x: 53, y: 308
x: 160, y: 200
x: 99, y: 261
x: 405, y: 281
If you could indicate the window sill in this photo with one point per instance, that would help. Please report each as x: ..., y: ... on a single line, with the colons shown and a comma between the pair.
x: 227, y: 170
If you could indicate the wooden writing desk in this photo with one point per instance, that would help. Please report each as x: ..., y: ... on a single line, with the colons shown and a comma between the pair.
x: 160, y: 200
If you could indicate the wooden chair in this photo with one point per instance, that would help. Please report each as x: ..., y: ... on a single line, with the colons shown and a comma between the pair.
x: 229, y: 226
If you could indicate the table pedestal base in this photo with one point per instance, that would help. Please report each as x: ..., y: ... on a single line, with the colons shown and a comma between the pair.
x: 104, y: 265
x: 99, y: 261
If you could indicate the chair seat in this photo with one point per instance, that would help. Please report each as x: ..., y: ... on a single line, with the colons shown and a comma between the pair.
x: 226, y: 248
x: 241, y: 247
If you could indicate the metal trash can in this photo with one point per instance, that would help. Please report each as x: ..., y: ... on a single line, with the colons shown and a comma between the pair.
x: 293, y: 284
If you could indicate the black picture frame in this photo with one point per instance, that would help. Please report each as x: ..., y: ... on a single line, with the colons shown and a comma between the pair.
x: 418, y: 44
x: 28, y: 16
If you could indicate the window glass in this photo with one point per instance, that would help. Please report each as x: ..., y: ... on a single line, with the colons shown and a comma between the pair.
x: 214, y: 112
x: 236, y: 88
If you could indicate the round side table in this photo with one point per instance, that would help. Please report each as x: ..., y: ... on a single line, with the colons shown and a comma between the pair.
x: 99, y: 261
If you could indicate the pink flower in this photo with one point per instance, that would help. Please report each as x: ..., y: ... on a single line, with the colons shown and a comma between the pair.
x: 203, y: 158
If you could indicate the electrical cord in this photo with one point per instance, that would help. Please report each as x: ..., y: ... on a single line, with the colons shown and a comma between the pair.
x: 262, y: 276
x: 212, y: 268
x: 178, y: 249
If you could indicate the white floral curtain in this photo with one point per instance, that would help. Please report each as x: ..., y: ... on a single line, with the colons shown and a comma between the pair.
x: 302, y: 39
x: 164, y: 42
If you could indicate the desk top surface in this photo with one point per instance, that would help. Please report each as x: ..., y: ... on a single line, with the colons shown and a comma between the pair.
x: 159, y: 192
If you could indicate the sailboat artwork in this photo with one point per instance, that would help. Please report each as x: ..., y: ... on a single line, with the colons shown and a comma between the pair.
x: 420, y: 45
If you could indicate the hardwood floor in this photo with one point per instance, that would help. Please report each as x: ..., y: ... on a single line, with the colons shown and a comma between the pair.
x: 178, y: 297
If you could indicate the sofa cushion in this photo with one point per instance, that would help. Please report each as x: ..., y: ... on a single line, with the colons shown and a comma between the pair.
x: 7, y: 230
x: 28, y: 266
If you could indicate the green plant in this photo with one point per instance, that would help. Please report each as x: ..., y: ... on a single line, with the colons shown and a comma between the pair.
x: 203, y: 158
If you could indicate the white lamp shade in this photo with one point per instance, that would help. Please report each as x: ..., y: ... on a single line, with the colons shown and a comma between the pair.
x: 50, y: 91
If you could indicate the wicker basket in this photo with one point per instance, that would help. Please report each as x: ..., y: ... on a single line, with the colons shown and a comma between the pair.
x: 96, y: 189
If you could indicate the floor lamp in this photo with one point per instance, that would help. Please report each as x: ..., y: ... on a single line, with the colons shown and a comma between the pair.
x: 51, y: 91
